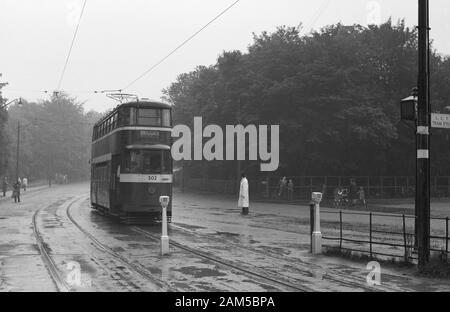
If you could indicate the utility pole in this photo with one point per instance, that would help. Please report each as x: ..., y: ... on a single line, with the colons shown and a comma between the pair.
x: 17, y: 152
x: 238, y: 163
x: 423, y: 139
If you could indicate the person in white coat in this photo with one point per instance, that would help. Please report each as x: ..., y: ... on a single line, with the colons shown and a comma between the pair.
x: 243, y: 201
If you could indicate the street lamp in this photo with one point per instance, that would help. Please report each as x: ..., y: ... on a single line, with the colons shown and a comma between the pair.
x: 10, y: 102
x: 408, y: 107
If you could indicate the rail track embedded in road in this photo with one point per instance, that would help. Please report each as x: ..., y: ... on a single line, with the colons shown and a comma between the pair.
x: 56, y: 276
x: 339, y: 278
x: 246, y: 271
x: 136, y: 267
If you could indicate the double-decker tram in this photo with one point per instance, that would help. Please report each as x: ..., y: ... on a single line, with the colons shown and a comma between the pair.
x: 131, y: 165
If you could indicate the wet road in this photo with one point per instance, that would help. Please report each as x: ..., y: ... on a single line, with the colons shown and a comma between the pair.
x: 53, y: 241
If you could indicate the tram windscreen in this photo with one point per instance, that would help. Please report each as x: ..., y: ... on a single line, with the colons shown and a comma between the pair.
x: 146, y: 161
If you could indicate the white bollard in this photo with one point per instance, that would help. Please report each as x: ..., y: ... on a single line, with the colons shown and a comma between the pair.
x: 164, y: 201
x: 316, y: 234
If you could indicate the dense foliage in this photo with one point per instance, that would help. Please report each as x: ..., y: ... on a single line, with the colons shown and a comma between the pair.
x: 55, y: 137
x: 335, y: 94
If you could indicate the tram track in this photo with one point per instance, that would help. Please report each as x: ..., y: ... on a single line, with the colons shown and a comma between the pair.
x: 133, y: 266
x: 224, y: 263
x: 59, y: 281
x: 339, y: 278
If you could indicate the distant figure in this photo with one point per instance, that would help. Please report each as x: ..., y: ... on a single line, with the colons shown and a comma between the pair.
x: 4, y: 186
x: 338, y: 196
x: 362, y: 196
x: 353, y: 192
x: 283, y: 186
x: 290, y: 188
x: 24, y: 184
x: 243, y: 201
x: 65, y: 179
x: 16, y: 191
x: 324, y: 191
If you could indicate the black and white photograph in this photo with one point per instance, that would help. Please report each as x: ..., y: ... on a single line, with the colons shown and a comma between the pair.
x: 219, y: 155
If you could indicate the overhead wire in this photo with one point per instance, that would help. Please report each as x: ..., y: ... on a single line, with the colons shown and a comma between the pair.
x: 180, y: 46
x: 318, y: 15
x: 71, y: 47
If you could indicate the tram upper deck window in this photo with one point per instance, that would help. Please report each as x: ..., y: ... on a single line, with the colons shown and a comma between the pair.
x: 123, y: 117
x: 153, y: 117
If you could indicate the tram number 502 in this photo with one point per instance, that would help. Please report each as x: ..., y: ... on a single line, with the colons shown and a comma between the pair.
x: 153, y: 178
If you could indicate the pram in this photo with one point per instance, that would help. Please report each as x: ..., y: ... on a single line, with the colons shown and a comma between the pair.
x: 341, y: 197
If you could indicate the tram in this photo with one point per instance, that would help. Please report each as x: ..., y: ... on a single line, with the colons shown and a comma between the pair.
x: 131, y: 163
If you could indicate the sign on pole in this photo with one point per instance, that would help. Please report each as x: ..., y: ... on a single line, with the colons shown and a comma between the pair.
x: 440, y: 121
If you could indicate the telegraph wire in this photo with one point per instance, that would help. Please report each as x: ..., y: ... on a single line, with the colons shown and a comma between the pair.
x: 318, y: 14
x: 180, y: 45
x: 71, y: 46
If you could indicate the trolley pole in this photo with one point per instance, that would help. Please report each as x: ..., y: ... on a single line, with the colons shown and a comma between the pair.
x: 423, y: 139
x: 164, y: 201
x: 17, y: 151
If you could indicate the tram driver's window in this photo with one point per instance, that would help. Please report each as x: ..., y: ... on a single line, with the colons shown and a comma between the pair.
x: 152, y: 162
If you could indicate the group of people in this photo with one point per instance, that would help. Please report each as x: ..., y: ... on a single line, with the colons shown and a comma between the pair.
x: 286, y: 187
x: 20, y: 183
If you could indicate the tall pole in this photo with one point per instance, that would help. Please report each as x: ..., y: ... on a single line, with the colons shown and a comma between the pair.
x: 17, y: 151
x: 423, y: 139
x: 238, y: 163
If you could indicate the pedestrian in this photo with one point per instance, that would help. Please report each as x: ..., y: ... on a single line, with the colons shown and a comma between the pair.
x: 243, y: 201
x: 283, y: 186
x: 362, y: 196
x: 290, y: 188
x: 324, y: 191
x: 353, y: 192
x: 16, y: 191
x: 338, y: 196
x: 4, y: 186
x: 24, y: 184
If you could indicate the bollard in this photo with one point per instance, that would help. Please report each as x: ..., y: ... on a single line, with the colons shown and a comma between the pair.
x: 316, y: 234
x: 311, y: 223
x: 164, y: 201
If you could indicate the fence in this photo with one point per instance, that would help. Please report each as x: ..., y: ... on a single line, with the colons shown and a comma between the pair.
x: 391, y: 235
x: 382, y: 186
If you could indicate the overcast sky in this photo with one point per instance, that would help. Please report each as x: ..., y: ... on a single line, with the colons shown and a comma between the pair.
x: 118, y: 40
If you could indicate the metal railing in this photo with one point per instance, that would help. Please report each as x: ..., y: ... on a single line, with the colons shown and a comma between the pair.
x: 392, y: 236
x: 374, y: 186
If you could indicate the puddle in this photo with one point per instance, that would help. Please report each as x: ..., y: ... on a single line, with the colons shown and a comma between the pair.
x: 200, y: 272
x: 228, y: 234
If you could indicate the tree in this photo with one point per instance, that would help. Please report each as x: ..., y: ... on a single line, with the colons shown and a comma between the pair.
x: 334, y: 93
x: 55, y: 138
